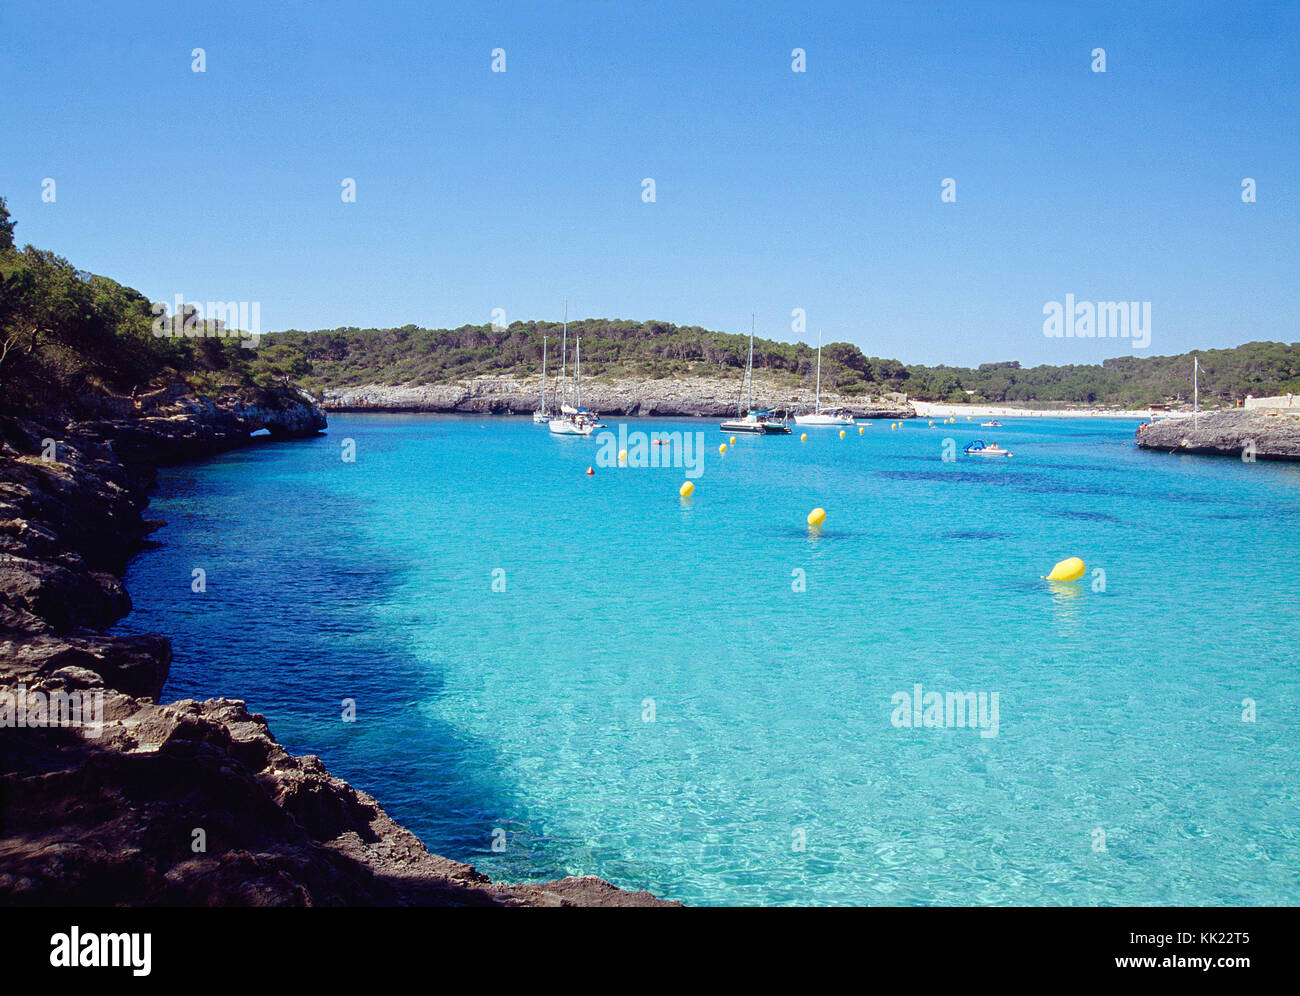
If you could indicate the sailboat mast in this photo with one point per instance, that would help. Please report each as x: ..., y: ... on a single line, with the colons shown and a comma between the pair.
x: 543, y: 374
x: 1196, y: 382
x: 577, y: 401
x: 749, y: 401
x: 564, y: 358
x: 817, y: 407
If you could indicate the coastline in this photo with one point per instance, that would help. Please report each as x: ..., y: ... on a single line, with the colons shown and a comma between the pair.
x: 185, y: 803
x: 704, y: 397
x: 930, y: 409
x: 503, y: 395
x: 1247, y: 434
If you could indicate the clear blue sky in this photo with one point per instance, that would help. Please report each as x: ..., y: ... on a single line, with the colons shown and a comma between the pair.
x: 775, y: 190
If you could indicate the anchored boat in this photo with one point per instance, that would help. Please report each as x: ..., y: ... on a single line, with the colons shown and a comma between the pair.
x: 574, y: 420
x: 768, y: 422
x: 831, y: 416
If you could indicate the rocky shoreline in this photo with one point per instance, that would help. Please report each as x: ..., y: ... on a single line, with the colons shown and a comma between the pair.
x: 696, y: 396
x: 188, y: 803
x: 1258, y: 433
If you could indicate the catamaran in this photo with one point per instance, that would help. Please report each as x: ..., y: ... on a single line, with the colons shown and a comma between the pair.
x: 831, y: 416
x: 542, y: 415
x: 766, y: 422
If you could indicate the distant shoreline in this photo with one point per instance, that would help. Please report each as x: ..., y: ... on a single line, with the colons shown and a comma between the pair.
x: 928, y: 409
x: 506, y: 397
x: 670, y: 397
x: 675, y: 397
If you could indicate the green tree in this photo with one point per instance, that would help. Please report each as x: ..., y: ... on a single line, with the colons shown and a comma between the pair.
x: 6, y: 230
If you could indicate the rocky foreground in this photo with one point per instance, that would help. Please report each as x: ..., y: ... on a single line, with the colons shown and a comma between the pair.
x: 1261, y: 434
x: 704, y: 396
x: 189, y: 803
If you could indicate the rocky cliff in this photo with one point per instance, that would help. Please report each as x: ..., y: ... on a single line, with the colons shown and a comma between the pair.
x: 711, y: 397
x: 1267, y: 434
x: 186, y: 803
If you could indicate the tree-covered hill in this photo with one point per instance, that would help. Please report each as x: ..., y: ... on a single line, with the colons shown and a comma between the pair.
x: 68, y: 337
x: 650, y: 350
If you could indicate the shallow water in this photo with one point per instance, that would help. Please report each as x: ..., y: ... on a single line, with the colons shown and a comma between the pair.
x: 771, y: 771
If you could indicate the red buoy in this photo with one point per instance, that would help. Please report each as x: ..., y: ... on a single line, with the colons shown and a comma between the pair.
x: 590, y: 472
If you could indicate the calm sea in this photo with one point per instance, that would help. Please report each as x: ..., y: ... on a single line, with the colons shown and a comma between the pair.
x: 699, y: 697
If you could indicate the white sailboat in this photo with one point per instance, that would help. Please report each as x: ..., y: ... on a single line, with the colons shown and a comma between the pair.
x: 572, y: 420
x: 766, y: 423
x: 832, y: 416
x: 542, y: 415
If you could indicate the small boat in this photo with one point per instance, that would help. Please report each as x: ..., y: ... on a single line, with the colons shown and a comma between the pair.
x: 995, y: 424
x: 982, y: 449
x: 831, y: 416
x: 766, y: 423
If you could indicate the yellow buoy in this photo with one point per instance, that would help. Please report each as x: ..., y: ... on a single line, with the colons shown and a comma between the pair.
x: 1070, y: 569
x: 817, y: 516
x: 931, y: 423
x: 687, y: 489
x: 733, y: 440
x: 861, y: 431
x: 841, y: 433
x: 622, y: 456
x: 803, y: 437
x: 722, y: 447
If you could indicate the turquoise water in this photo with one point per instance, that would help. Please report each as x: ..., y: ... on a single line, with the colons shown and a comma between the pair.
x: 771, y: 771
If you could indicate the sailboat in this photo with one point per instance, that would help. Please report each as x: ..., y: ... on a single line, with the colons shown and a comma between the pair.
x: 542, y: 415
x: 832, y: 416
x: 572, y: 420
x: 767, y: 422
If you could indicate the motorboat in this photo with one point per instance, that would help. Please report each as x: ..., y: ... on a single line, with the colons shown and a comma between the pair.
x: 980, y: 448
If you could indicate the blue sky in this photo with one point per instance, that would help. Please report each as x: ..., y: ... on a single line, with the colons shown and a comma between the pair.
x: 775, y: 190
